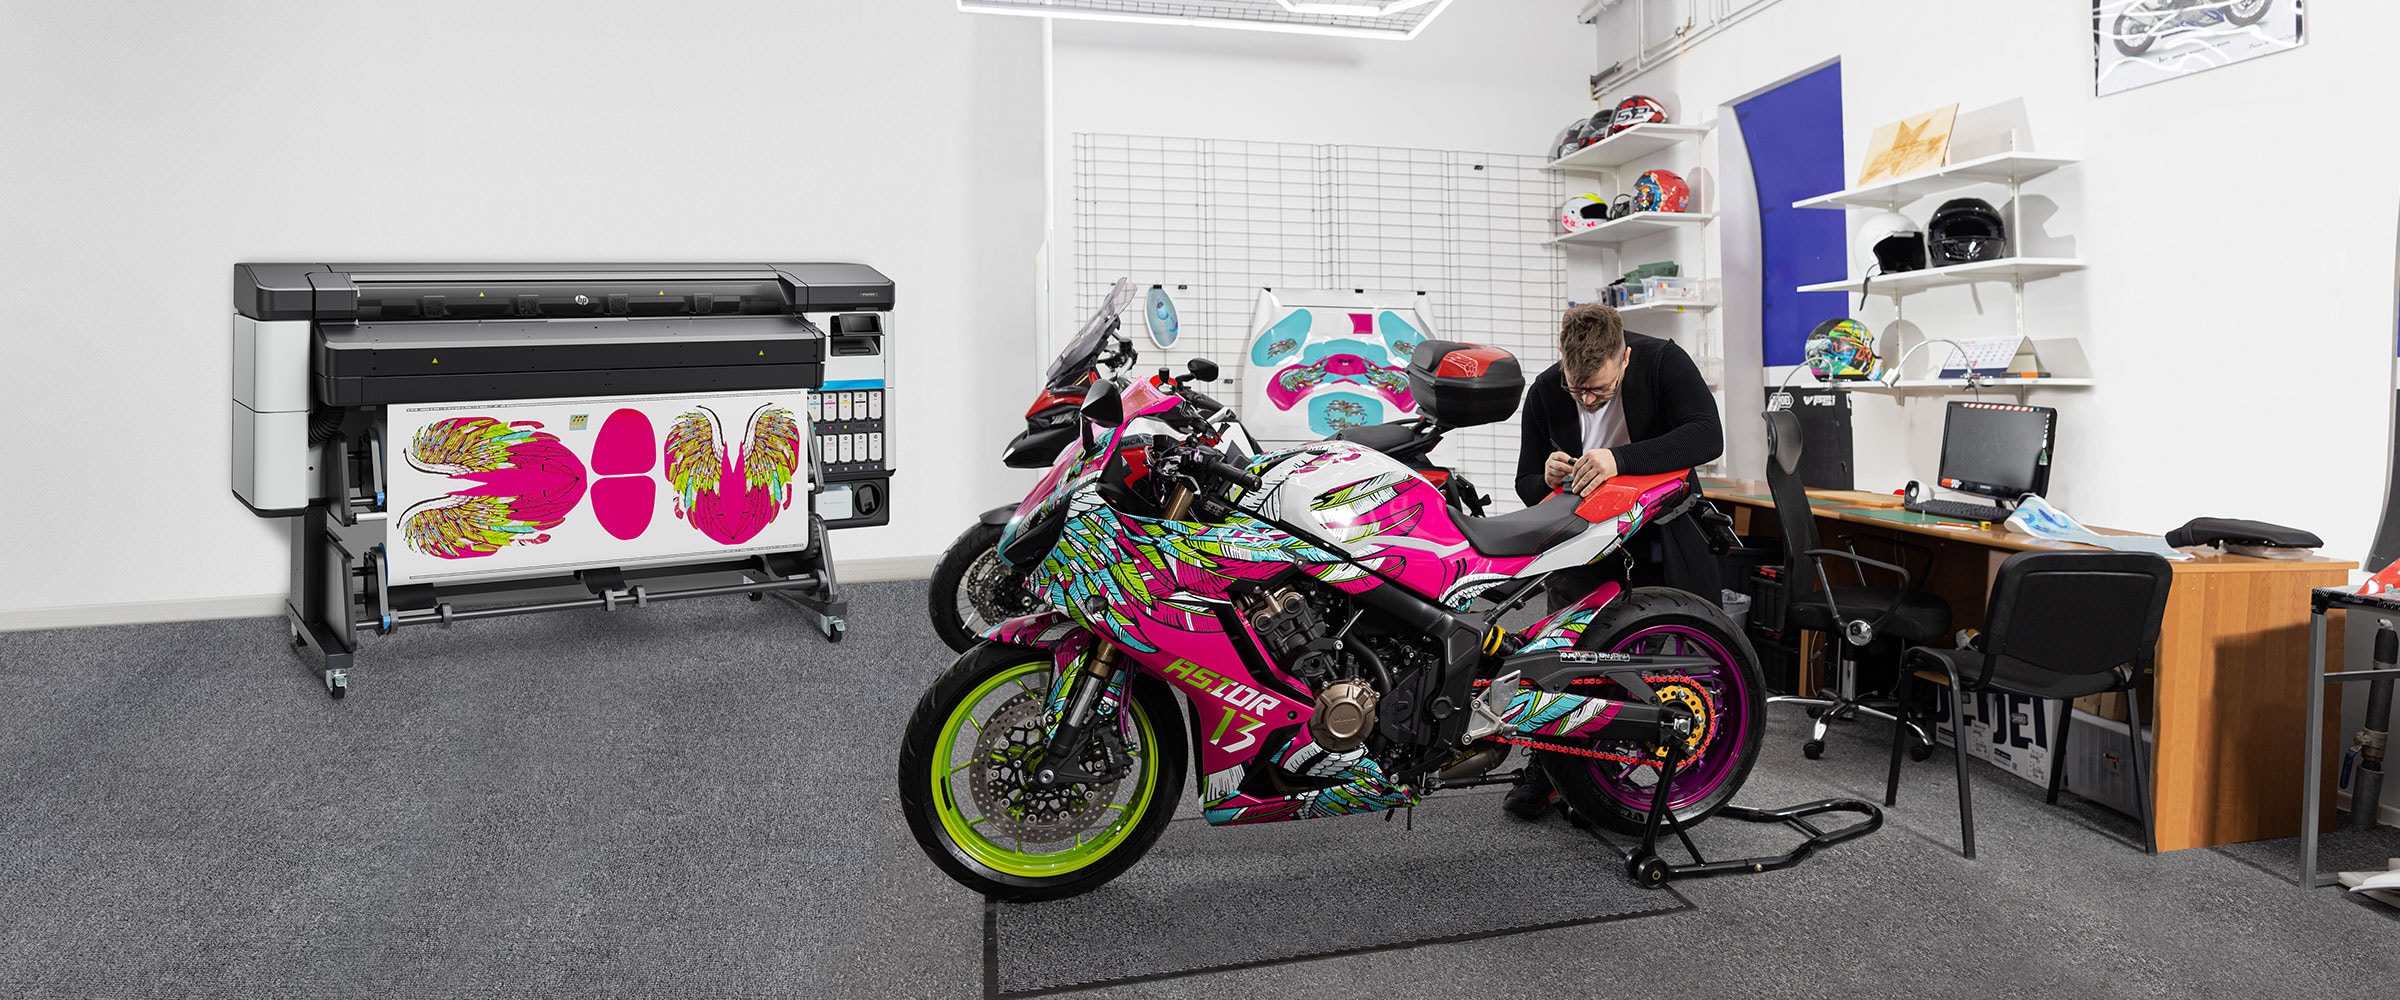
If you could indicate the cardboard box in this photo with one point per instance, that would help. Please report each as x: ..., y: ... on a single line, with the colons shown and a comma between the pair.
x: 2108, y: 705
x: 2013, y: 732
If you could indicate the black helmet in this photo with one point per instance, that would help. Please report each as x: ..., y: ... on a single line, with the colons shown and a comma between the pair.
x: 1569, y: 139
x: 1965, y: 230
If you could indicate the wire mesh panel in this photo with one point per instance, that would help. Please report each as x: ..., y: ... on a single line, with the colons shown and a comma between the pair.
x: 1214, y: 221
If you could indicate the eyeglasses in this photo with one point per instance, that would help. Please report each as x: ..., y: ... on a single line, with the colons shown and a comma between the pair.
x: 1595, y: 394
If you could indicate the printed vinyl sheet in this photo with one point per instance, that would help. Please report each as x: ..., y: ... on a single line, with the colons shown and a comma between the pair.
x: 538, y: 487
x: 1321, y: 360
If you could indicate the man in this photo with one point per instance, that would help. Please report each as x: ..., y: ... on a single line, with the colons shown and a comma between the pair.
x: 1616, y: 403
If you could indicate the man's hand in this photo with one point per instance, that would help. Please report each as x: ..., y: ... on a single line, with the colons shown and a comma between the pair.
x: 1556, y: 469
x: 1595, y: 467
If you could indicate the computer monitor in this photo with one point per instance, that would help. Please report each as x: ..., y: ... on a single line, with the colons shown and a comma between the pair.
x: 1998, y: 450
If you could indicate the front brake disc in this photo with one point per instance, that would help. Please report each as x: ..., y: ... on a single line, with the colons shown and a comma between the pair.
x: 1001, y: 780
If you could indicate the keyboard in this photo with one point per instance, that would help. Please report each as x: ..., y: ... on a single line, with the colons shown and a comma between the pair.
x: 1959, y: 511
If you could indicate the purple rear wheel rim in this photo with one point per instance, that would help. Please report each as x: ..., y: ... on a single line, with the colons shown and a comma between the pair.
x: 1700, y: 777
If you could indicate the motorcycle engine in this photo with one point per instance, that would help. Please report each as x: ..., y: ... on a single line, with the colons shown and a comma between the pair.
x: 1345, y: 715
x: 1292, y: 627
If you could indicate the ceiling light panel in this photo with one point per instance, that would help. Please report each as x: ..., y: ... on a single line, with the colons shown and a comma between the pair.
x: 1396, y: 20
x: 1353, y: 8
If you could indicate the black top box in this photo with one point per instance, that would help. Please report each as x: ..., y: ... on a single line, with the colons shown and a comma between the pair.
x: 1465, y: 385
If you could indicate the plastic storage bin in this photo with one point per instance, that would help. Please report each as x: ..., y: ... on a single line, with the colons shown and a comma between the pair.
x: 1671, y: 289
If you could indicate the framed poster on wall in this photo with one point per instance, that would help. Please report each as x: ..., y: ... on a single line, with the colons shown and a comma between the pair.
x: 2141, y: 42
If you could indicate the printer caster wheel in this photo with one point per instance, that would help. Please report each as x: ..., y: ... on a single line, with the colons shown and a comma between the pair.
x: 294, y: 632
x: 337, y: 683
x: 1813, y: 749
x: 834, y: 628
x: 757, y: 596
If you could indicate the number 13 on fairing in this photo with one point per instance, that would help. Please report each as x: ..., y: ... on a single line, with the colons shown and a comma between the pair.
x: 1248, y: 731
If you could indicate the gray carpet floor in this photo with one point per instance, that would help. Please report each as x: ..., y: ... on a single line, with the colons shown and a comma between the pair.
x: 696, y: 800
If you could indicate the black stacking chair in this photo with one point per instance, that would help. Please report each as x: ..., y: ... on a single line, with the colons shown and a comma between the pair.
x: 1847, y: 616
x: 2061, y: 625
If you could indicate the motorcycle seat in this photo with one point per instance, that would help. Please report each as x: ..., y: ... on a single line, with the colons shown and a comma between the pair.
x: 1525, y: 532
x: 1397, y: 440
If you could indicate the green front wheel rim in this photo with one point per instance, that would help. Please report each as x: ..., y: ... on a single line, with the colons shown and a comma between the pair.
x: 1018, y: 862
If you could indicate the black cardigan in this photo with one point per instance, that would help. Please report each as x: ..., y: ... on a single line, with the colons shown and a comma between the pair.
x: 1669, y: 414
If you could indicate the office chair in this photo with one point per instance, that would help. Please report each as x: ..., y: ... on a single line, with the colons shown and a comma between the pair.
x: 2061, y: 625
x: 1846, y: 616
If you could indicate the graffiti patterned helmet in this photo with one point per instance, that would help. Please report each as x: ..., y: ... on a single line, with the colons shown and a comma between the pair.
x: 1636, y: 110
x: 1572, y: 138
x: 1841, y: 348
x: 1660, y: 191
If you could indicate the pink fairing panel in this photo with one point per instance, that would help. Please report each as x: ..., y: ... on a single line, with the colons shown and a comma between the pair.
x: 1564, y: 629
x: 1232, y: 710
x: 1391, y: 520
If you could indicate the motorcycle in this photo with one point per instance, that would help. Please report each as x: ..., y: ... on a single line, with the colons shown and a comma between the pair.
x: 2142, y: 23
x: 1310, y: 607
x: 973, y: 590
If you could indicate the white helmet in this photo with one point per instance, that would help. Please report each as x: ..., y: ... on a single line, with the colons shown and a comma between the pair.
x: 1878, y: 227
x: 1582, y: 212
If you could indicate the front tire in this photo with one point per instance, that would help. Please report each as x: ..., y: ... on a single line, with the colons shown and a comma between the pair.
x: 2142, y: 35
x: 963, y: 758
x: 972, y: 590
x: 1665, y: 622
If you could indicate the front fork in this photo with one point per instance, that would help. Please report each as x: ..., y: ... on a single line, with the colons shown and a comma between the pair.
x: 1062, y: 758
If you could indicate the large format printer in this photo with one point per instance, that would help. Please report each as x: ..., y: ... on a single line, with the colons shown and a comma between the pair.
x: 463, y: 441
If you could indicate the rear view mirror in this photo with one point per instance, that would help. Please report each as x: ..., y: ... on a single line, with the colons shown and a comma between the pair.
x: 1202, y: 369
x: 1102, y: 405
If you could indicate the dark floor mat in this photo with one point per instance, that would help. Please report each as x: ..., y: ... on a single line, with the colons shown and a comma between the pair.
x: 1261, y: 895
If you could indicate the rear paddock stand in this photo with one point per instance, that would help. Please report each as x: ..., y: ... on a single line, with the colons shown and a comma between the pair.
x: 1653, y: 872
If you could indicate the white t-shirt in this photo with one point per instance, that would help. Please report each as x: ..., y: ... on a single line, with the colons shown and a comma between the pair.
x: 1604, y: 428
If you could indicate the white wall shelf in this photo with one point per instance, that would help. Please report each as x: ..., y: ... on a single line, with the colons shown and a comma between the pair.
x: 1998, y: 168
x: 2062, y: 358
x: 1670, y: 306
x: 1958, y: 386
x: 1634, y: 227
x: 2015, y: 270
x: 1605, y: 156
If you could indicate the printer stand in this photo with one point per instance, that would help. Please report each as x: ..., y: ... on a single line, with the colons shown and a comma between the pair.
x: 340, y: 589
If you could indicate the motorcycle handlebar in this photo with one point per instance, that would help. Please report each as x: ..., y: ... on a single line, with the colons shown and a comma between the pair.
x: 1232, y: 473
x: 1206, y: 404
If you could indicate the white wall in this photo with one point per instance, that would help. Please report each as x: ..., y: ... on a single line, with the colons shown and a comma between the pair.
x: 152, y: 146
x: 1487, y: 76
x: 2237, y: 224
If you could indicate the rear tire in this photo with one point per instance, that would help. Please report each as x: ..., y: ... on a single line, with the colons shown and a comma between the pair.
x: 929, y: 790
x: 1651, y: 616
x: 2235, y: 16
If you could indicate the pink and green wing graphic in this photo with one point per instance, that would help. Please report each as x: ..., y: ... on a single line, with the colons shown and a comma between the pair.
x: 520, y: 482
x: 731, y: 496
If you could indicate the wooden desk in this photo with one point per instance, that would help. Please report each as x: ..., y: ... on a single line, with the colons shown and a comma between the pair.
x: 2231, y: 677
